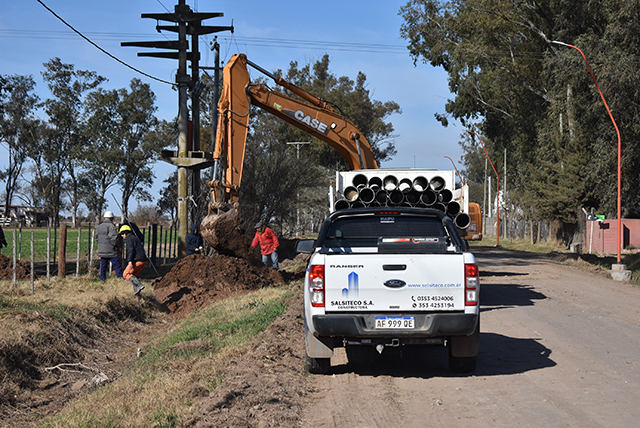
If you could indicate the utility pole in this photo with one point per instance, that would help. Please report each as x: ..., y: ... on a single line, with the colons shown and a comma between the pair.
x: 484, y: 199
x: 504, y: 194
x: 298, y: 144
x: 188, y: 23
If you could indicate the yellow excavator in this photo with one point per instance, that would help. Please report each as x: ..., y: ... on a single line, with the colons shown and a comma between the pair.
x: 313, y: 115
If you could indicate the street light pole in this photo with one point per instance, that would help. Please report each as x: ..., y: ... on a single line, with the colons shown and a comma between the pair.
x: 454, y: 167
x: 497, y: 190
x: 619, y: 203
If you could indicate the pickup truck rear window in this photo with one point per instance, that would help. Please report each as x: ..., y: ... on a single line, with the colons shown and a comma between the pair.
x: 364, y: 231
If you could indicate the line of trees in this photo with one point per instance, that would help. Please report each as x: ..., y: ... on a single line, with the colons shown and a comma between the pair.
x: 91, y: 140
x: 95, y: 138
x: 537, y: 100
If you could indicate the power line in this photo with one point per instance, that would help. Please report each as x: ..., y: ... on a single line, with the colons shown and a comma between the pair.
x: 100, y: 49
x: 249, y: 41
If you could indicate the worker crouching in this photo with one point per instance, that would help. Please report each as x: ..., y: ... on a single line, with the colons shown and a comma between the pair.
x: 135, y: 260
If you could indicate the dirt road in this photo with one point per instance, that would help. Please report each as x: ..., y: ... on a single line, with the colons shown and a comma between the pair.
x: 559, y: 347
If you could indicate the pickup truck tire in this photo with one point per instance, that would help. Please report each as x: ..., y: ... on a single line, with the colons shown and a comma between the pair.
x: 317, y: 365
x: 311, y: 364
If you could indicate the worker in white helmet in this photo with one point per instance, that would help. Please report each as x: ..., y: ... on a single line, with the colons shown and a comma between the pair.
x: 108, y: 240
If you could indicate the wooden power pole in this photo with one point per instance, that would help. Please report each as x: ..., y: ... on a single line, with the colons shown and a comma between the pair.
x: 188, y: 155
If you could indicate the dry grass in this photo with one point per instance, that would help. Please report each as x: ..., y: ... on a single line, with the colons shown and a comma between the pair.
x: 546, y: 246
x: 174, y: 370
x: 55, y: 324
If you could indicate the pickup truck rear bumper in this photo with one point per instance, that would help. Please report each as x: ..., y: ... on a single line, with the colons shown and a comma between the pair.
x: 363, y: 325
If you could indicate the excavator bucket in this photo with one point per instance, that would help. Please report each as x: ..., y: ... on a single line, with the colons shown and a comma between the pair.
x: 221, y: 232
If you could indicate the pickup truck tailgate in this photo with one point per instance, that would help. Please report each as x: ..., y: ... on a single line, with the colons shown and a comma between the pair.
x: 394, y: 282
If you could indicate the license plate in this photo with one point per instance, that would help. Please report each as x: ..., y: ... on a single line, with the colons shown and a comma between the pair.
x: 394, y: 322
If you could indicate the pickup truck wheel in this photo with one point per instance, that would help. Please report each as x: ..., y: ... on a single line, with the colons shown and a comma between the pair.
x: 317, y: 365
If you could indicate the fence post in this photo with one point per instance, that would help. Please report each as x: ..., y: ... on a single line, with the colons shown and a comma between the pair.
x: 62, y: 252
x: 170, y: 238
x: 92, y: 234
x: 32, y: 264
x: 154, y: 239
x: 175, y: 241
x: 19, y: 243
x: 160, y: 249
x: 89, y: 236
x: 48, y: 254
x: 164, y: 247
x: 78, y: 254
x: 148, y: 240
x: 14, y: 259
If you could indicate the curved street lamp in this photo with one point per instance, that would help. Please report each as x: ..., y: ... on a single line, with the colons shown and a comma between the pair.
x: 454, y: 167
x: 497, y: 190
x: 619, y: 204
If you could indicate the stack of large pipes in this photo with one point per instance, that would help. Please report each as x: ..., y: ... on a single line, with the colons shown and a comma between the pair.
x: 391, y: 192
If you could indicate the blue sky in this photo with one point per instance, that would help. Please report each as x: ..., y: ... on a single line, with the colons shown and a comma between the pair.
x: 358, y: 35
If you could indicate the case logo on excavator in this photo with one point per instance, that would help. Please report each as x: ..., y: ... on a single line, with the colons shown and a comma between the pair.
x: 311, y: 122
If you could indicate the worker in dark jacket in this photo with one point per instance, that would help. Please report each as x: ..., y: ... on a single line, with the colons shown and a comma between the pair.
x: 135, y: 259
x: 194, y: 241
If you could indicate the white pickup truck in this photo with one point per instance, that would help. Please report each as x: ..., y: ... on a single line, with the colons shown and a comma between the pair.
x: 388, y: 277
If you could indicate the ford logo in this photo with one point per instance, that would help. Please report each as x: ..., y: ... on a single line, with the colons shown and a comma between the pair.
x: 395, y: 283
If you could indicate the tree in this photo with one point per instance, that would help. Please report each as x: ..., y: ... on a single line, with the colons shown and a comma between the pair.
x: 168, y: 201
x: 349, y: 98
x: 536, y: 99
x: 141, y: 142
x: 18, y: 128
x: 57, y: 153
x: 102, y: 158
x: 272, y: 178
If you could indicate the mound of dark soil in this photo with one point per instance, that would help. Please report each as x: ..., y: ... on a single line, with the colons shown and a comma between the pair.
x: 197, y: 281
x: 23, y: 269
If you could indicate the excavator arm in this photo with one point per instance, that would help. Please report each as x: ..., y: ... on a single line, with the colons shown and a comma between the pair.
x: 315, y: 116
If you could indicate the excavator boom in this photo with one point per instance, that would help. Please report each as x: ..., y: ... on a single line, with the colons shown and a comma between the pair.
x: 312, y: 115
x: 315, y: 116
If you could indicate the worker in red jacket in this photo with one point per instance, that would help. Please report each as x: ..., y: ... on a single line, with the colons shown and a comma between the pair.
x: 268, y: 241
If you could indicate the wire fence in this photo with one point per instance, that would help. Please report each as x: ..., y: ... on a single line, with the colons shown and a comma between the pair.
x: 53, y: 251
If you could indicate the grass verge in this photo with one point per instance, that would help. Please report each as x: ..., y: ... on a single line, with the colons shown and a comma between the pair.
x: 174, y: 370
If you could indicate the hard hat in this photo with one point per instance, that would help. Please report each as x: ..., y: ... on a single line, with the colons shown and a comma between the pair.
x: 108, y: 214
x: 124, y: 228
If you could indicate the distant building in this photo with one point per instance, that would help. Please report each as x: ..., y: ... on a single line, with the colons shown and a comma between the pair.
x: 23, y: 216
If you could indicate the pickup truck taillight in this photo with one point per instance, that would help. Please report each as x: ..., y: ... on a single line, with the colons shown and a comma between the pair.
x: 316, y: 285
x: 471, y: 284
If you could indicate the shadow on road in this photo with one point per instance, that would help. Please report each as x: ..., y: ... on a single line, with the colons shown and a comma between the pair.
x: 501, y: 296
x: 503, y: 355
x: 499, y: 355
